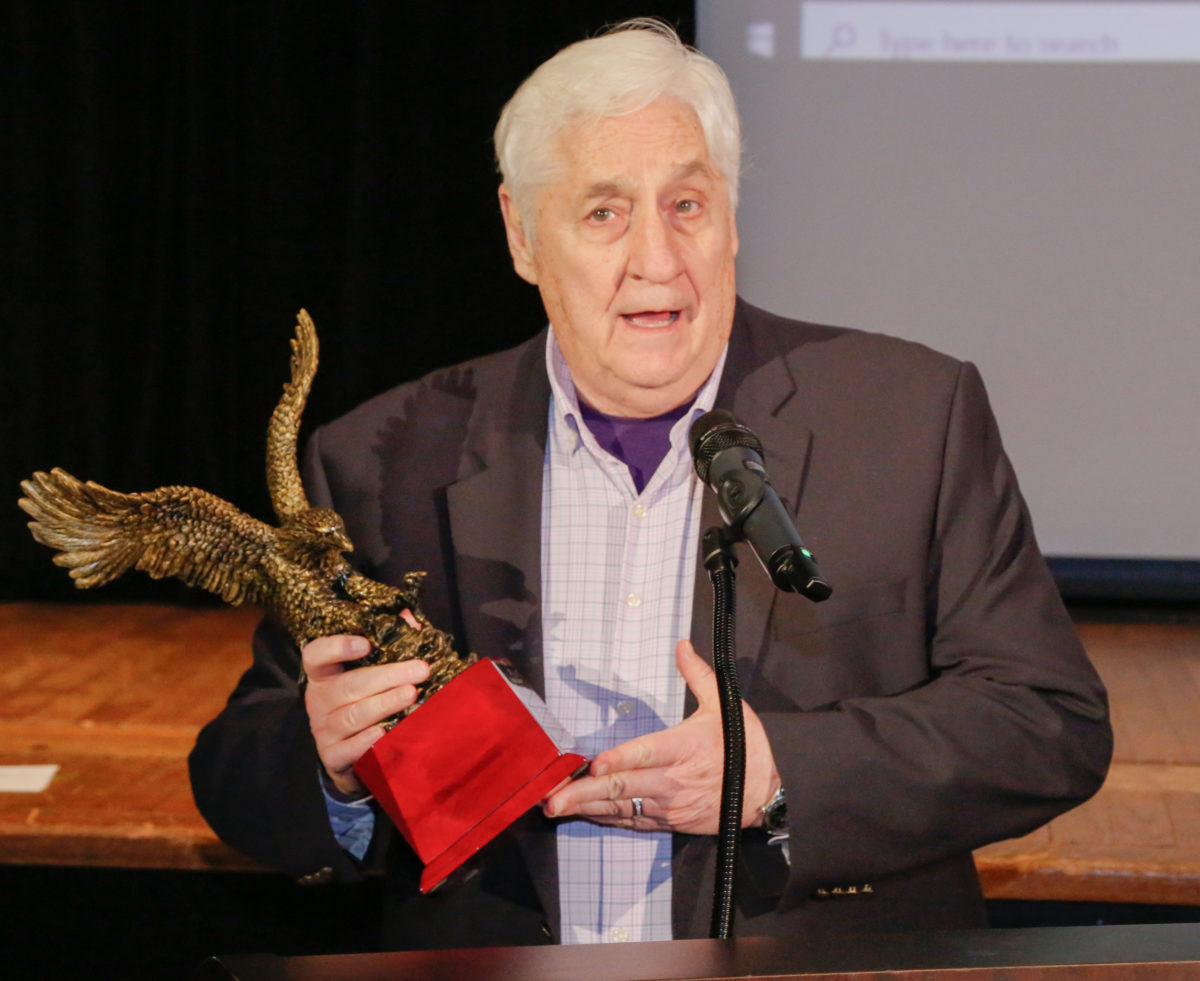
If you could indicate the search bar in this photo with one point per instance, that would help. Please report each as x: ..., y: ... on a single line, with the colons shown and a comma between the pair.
x: 968, y: 31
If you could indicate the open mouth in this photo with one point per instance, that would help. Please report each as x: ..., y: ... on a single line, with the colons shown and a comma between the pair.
x: 651, y: 318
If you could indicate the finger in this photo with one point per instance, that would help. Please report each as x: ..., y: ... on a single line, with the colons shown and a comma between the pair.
x: 586, y: 790
x: 353, y: 686
x: 348, y: 702
x: 579, y: 796
x: 542, y: 803
x: 656, y: 749
x: 700, y: 678
x: 324, y: 656
x: 341, y: 755
x: 341, y: 738
x: 621, y: 814
x: 347, y: 721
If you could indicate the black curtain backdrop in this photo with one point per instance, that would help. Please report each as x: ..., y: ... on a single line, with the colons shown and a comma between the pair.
x: 182, y: 177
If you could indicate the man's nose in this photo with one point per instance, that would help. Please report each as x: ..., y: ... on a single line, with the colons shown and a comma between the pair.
x: 655, y: 250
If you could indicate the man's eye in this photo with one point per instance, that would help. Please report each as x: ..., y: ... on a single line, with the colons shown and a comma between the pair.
x: 687, y: 207
x: 601, y: 215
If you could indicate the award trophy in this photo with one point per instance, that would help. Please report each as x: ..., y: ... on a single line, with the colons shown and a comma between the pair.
x: 452, y: 775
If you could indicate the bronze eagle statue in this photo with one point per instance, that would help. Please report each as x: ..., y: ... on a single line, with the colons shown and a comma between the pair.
x: 297, y: 571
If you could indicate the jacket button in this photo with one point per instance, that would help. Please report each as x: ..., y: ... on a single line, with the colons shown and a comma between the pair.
x: 843, y: 892
x: 322, y: 875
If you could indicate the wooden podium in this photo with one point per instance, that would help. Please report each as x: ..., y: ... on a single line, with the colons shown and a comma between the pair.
x: 1163, y: 952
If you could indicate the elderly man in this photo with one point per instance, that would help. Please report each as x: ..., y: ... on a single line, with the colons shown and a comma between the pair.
x: 939, y: 700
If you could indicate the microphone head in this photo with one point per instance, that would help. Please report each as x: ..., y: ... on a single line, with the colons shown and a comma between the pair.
x: 715, y: 431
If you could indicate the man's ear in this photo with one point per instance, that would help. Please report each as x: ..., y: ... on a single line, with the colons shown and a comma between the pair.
x: 519, y: 245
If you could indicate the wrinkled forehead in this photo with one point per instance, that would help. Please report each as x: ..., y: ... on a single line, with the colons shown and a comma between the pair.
x: 663, y: 142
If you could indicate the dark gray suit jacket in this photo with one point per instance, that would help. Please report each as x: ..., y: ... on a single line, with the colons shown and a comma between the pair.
x: 938, y: 701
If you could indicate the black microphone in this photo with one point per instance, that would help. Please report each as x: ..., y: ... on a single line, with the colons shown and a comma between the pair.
x: 729, y: 459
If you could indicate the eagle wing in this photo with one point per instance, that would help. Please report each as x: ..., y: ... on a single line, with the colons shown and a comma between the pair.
x: 172, y: 531
x: 283, y: 472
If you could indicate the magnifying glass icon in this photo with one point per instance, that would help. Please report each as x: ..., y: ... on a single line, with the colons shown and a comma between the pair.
x: 844, y: 36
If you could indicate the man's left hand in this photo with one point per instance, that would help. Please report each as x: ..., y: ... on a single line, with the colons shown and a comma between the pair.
x: 676, y: 772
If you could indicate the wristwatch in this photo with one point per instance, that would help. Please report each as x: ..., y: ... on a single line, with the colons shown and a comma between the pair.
x: 774, y: 813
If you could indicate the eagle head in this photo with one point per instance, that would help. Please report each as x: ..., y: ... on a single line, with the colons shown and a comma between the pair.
x: 316, y: 536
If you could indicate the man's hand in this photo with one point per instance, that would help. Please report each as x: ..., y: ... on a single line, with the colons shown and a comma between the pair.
x: 677, y: 772
x: 345, y: 708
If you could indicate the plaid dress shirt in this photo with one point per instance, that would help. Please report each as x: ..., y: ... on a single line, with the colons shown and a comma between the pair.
x: 618, y: 574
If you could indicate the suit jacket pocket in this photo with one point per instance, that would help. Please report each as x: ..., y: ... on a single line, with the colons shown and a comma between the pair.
x: 865, y: 640
x: 856, y: 601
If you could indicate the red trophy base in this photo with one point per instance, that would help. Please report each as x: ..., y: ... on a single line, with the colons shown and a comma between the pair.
x: 465, y: 765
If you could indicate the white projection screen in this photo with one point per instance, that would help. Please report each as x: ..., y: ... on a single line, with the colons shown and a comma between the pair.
x: 1017, y: 184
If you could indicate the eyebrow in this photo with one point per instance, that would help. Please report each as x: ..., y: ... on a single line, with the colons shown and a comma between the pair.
x: 604, y: 189
x: 617, y: 186
x: 687, y: 170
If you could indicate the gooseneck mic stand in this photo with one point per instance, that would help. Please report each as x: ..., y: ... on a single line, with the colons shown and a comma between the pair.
x: 729, y: 460
x: 720, y: 562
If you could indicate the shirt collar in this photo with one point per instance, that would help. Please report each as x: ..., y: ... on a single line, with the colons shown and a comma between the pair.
x: 564, y: 399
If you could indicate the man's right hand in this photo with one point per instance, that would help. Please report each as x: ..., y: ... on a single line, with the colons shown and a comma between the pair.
x: 345, y: 708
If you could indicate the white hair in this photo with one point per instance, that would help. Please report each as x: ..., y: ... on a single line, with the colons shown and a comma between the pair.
x: 620, y: 72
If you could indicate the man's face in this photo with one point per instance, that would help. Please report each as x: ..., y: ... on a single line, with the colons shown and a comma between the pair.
x: 634, y: 257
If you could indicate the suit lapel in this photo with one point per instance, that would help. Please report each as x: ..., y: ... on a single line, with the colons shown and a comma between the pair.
x: 495, y: 516
x: 758, y: 386
x: 494, y: 512
x: 495, y: 527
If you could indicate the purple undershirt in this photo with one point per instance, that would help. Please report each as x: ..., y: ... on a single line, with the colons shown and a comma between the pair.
x: 640, y: 444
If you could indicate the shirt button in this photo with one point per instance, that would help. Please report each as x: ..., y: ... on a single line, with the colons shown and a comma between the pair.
x: 639, y: 510
x: 572, y: 439
x: 624, y: 708
x: 633, y: 601
x: 620, y: 934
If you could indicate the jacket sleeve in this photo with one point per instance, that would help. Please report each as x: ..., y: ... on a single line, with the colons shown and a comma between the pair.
x: 1010, y: 727
x: 254, y: 769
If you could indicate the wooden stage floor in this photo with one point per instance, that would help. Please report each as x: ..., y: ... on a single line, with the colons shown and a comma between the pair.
x: 115, y: 694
